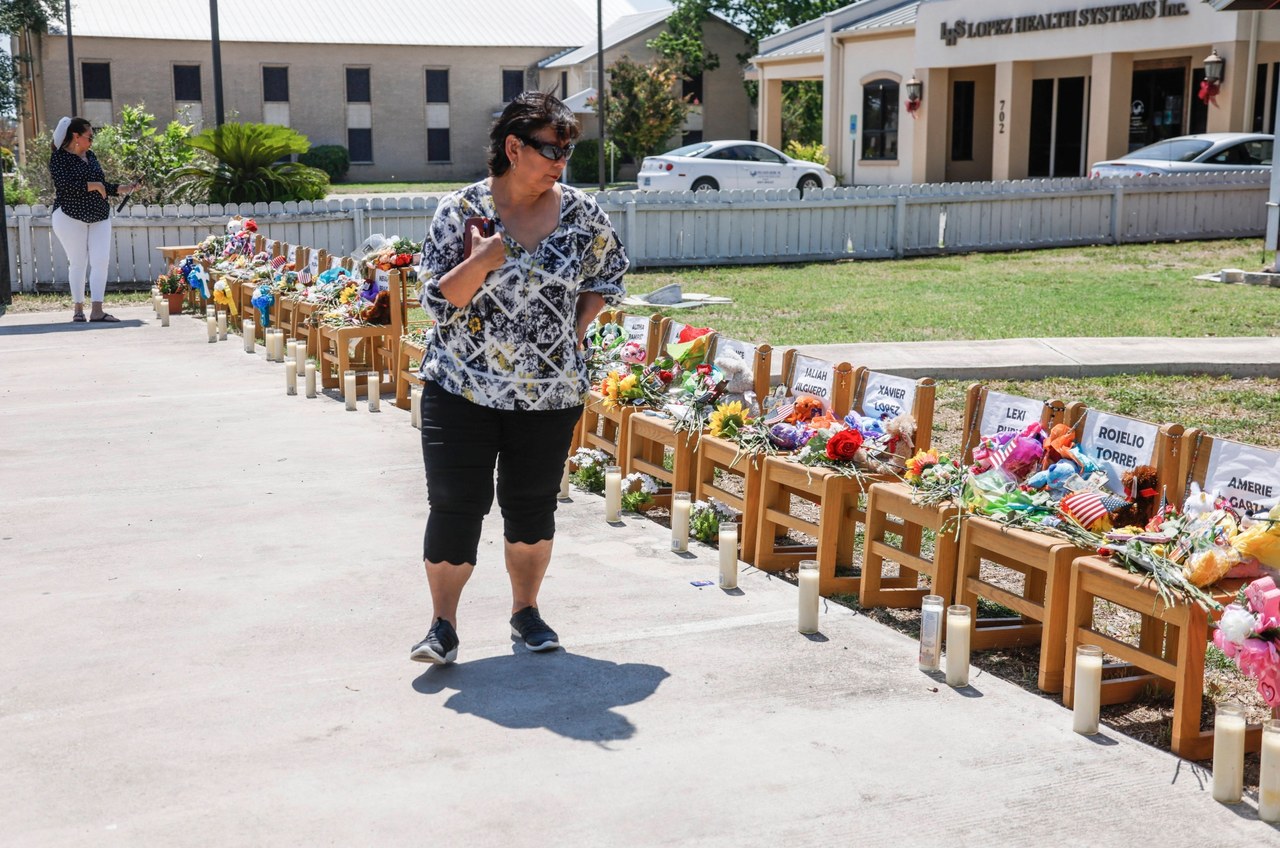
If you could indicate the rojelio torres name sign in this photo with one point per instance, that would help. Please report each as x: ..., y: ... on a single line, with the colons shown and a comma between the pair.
x: 1119, y: 444
x: 1114, y: 13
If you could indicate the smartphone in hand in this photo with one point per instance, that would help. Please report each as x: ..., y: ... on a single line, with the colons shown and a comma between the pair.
x: 487, y: 227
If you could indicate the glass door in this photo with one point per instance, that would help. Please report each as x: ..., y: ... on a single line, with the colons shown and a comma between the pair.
x: 1157, y: 105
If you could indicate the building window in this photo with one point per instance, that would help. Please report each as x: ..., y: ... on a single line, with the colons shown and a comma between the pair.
x: 360, y: 145
x: 437, y: 86
x: 512, y: 85
x: 962, y: 120
x: 275, y: 85
x: 186, y: 83
x: 880, y: 120
x: 693, y: 89
x: 437, y: 145
x: 96, y: 77
x: 358, y: 85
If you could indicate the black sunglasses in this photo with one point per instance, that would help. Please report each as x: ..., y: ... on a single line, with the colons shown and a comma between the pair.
x: 548, y: 151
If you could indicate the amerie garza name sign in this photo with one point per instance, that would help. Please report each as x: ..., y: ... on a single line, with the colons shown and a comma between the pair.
x: 1070, y: 19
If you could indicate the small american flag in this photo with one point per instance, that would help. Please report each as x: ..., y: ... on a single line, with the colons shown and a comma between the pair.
x: 780, y: 413
x: 991, y: 455
x: 304, y: 277
x: 1084, y: 507
x: 277, y: 263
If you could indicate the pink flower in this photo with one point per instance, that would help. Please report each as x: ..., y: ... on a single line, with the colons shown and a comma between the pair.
x: 1224, y: 644
x: 1257, y: 657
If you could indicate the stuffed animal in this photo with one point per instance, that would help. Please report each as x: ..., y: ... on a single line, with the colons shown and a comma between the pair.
x: 1141, y: 487
x: 737, y: 371
x: 1053, y: 479
x: 806, y: 408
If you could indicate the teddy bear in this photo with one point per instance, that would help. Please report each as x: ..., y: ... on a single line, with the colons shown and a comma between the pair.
x: 1141, y: 486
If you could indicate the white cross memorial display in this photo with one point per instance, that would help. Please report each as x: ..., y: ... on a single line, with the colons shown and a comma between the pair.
x: 1247, y: 476
x: 887, y: 396
x: 1003, y: 413
x: 813, y: 377
x: 1119, y: 444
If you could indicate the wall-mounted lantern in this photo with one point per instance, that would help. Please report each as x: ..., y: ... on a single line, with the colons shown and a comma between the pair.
x: 1214, y: 68
x: 915, y: 95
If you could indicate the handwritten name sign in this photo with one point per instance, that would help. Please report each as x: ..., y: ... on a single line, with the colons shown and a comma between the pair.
x: 674, y: 331
x: 292, y: 255
x: 1120, y: 444
x: 887, y: 396
x: 383, y: 279
x: 743, y: 350
x: 1248, y: 477
x: 336, y: 262
x: 636, y: 328
x: 313, y: 265
x: 814, y: 377
x: 1008, y: 413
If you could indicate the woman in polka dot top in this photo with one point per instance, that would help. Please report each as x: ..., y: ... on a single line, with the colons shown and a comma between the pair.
x: 81, y: 213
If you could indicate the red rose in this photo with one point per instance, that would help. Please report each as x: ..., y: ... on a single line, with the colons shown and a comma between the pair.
x: 704, y: 369
x: 666, y: 376
x: 843, y: 445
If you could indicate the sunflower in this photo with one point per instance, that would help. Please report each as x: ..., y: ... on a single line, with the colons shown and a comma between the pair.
x: 727, y: 419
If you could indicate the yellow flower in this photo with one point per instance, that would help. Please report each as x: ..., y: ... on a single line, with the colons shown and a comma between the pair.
x: 627, y: 384
x: 727, y: 419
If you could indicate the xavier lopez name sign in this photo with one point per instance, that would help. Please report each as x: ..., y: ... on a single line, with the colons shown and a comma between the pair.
x: 1117, y: 13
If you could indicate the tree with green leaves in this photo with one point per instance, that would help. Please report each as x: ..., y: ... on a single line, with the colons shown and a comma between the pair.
x: 247, y: 167
x: 681, y: 40
x: 28, y: 20
x: 760, y: 18
x: 644, y: 110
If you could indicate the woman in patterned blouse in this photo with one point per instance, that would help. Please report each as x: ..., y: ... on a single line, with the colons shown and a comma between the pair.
x: 504, y: 377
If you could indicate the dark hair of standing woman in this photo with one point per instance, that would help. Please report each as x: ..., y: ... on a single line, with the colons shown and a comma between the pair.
x: 529, y: 112
x: 78, y: 126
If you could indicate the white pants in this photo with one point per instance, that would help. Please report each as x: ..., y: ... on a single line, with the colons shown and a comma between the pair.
x: 88, y: 247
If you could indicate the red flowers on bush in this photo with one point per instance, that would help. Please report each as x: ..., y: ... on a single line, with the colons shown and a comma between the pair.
x: 844, y: 445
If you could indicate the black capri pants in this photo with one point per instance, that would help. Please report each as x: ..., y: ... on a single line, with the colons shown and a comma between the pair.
x: 461, y: 442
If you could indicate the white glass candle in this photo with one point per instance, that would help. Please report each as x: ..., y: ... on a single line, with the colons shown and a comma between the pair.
x: 212, y: 324
x: 564, y: 482
x: 958, y: 620
x: 680, y: 507
x: 1088, y: 690
x: 222, y: 326
x: 1269, y: 773
x: 155, y: 300
x: 373, y: 387
x: 277, y: 346
x: 291, y: 352
x: 1228, y: 752
x: 268, y: 343
x: 246, y: 327
x: 300, y: 353
x: 415, y: 406
x: 208, y: 311
x: 930, y: 632
x: 613, y: 493
x: 310, y: 371
x: 807, y: 620
x: 349, y: 390
x: 291, y: 377
x: 728, y: 555
x: 164, y: 312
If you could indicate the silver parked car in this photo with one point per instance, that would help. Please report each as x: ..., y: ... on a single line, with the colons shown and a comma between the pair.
x: 712, y: 165
x: 1192, y: 154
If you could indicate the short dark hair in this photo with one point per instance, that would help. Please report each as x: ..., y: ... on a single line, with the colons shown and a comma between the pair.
x: 77, y: 127
x: 529, y: 112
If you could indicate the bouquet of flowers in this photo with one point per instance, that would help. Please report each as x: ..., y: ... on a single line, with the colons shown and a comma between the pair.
x: 394, y: 252
x: 690, y: 347
x: 589, y: 465
x: 638, y: 491
x: 705, y: 518
x: 1249, y: 633
x: 210, y: 248
x: 693, y: 398
x: 935, y: 477
x: 172, y: 281
x: 639, y: 386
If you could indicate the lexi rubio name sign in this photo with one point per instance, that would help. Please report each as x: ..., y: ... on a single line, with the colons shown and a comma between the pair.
x: 1116, y: 13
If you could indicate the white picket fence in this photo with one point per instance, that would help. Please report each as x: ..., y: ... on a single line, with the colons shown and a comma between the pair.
x: 732, y: 227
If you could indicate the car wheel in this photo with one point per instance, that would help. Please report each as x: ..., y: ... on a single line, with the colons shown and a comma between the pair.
x: 705, y: 184
x: 808, y: 183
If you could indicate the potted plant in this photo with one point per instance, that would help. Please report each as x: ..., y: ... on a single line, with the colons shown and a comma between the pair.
x: 173, y: 286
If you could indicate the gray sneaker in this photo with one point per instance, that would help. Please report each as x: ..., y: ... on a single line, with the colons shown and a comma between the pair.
x: 440, y: 645
x: 529, y: 626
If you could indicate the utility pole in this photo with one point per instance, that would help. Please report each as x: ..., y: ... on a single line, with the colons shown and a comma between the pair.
x: 600, y: 104
x: 219, y: 113
x: 6, y: 283
x: 71, y: 56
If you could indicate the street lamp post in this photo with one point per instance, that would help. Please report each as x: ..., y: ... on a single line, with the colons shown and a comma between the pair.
x: 71, y: 56
x: 219, y: 114
x: 600, y: 104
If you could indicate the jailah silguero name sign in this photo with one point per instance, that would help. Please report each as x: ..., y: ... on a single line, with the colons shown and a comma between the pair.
x: 1116, y: 13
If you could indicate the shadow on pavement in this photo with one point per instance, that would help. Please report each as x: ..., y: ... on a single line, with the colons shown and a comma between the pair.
x: 568, y: 694
x: 66, y: 326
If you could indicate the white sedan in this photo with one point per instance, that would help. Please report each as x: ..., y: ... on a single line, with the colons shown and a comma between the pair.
x: 1193, y: 154
x: 725, y: 165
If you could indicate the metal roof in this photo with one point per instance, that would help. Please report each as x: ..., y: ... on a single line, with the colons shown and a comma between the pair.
x: 904, y: 15
x: 614, y: 34
x: 440, y: 23
x: 808, y: 46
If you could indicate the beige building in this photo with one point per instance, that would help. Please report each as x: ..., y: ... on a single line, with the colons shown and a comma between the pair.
x: 1017, y: 88
x: 409, y: 87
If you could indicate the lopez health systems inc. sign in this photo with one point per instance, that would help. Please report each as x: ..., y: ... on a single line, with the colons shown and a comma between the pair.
x: 1116, y: 13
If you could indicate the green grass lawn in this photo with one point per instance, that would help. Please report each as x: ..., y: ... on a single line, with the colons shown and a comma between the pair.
x: 1127, y: 290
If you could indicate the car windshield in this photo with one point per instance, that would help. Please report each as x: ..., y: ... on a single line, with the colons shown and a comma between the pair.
x: 1173, y: 150
x: 689, y: 150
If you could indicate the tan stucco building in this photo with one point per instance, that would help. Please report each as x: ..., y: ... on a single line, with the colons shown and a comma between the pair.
x: 1017, y: 88
x: 410, y: 89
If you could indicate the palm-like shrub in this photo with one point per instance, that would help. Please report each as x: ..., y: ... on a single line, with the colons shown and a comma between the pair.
x: 247, y: 167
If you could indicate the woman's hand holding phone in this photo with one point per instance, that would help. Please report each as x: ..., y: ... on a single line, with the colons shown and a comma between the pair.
x: 482, y: 243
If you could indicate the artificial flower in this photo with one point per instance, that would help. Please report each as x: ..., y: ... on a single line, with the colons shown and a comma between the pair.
x: 728, y: 419
x: 843, y: 445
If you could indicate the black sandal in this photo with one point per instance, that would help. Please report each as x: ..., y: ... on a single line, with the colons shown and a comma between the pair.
x: 106, y: 317
x: 79, y: 318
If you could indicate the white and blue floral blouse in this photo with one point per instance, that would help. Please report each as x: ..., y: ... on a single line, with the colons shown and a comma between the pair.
x: 514, y: 345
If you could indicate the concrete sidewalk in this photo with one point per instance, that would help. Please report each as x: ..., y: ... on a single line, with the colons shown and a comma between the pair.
x: 210, y: 590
